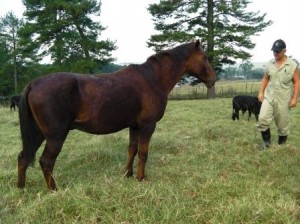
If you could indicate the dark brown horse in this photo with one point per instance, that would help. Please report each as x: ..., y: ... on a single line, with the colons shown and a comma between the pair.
x: 134, y: 97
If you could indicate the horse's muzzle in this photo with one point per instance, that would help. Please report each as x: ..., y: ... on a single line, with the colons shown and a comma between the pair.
x: 210, y: 83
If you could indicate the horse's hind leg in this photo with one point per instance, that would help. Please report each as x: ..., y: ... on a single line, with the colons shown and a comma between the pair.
x: 22, y: 167
x: 48, y: 158
x: 132, y: 151
x: 24, y: 162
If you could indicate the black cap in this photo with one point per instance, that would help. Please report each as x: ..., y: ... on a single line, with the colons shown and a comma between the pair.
x: 278, y: 45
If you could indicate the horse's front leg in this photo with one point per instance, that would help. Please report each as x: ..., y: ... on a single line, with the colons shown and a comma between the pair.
x: 132, y: 150
x: 144, y: 140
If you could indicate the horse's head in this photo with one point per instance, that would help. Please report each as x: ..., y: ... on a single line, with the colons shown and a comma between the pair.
x: 199, y: 66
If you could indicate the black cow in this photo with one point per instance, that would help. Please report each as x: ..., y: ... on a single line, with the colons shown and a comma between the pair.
x: 245, y: 103
x: 14, y: 102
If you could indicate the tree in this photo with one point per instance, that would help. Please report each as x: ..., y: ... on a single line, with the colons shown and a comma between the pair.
x: 256, y: 73
x: 246, y: 67
x: 9, y: 27
x: 6, y: 80
x: 224, y: 27
x: 228, y: 73
x: 64, y: 30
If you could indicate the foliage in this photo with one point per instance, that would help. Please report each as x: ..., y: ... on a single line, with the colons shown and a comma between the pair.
x: 6, y: 79
x: 111, y: 67
x: 65, y: 31
x: 203, y: 168
x: 9, y: 27
x: 225, y: 27
x: 246, y: 67
x: 245, y: 71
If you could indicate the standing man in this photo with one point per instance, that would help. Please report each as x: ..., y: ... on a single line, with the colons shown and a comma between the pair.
x: 278, y: 94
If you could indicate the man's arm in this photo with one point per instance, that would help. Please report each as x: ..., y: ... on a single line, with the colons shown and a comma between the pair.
x: 264, y: 83
x: 294, y: 100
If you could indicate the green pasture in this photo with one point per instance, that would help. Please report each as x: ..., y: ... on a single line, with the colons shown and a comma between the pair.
x: 202, y: 168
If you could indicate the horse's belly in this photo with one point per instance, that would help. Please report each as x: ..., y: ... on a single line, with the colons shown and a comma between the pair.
x: 98, y: 127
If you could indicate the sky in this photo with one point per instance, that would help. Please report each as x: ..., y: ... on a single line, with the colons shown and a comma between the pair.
x: 130, y: 24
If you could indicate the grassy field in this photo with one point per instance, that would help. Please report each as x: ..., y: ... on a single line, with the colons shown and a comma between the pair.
x: 202, y: 168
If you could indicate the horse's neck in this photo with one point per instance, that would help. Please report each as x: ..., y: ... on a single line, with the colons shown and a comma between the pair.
x: 168, y: 73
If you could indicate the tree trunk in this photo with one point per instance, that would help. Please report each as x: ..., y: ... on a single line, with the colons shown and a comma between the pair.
x: 210, y: 40
x: 15, y: 64
x: 211, y: 93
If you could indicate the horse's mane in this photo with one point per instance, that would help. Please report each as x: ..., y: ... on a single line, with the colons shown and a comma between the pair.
x: 176, y: 54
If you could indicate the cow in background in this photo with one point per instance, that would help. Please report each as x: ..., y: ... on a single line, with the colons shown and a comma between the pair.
x: 245, y: 103
x: 14, y: 102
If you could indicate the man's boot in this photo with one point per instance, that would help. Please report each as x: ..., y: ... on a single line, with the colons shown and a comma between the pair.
x: 282, y: 139
x: 266, y: 136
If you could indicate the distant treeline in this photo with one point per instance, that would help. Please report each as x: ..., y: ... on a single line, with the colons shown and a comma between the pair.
x: 28, y: 73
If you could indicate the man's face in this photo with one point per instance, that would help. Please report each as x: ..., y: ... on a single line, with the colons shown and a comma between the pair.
x: 279, y: 54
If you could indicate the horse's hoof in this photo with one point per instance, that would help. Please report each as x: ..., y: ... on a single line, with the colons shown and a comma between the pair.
x: 128, y: 173
x: 140, y: 178
x: 20, y: 186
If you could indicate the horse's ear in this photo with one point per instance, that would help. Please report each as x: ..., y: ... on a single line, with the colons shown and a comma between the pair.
x: 197, y: 44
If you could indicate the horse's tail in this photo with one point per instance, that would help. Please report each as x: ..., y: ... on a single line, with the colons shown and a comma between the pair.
x: 30, y: 133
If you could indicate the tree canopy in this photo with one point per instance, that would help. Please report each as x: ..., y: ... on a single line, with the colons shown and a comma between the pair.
x: 65, y: 31
x: 9, y: 40
x: 224, y: 26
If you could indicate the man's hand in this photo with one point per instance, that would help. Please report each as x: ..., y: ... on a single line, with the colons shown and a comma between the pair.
x: 260, y: 96
x: 293, y: 103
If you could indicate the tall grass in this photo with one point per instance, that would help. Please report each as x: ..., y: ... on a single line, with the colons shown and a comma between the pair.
x: 202, y: 168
